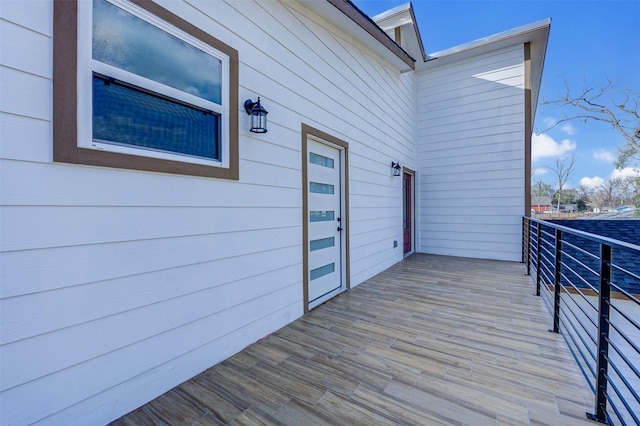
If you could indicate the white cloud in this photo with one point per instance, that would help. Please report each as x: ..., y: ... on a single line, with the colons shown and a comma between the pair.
x: 544, y: 145
x: 540, y: 172
x: 568, y: 129
x: 625, y: 173
x: 549, y: 121
x: 591, y: 182
x: 604, y: 155
x: 596, y: 181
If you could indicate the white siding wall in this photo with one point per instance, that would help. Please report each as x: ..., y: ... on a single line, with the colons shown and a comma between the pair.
x: 118, y: 285
x: 471, y: 156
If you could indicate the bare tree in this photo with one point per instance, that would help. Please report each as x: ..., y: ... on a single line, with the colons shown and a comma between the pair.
x: 597, y: 201
x: 613, y: 191
x: 629, y: 189
x: 610, y: 190
x: 562, y: 172
x: 585, y: 191
x: 620, y: 108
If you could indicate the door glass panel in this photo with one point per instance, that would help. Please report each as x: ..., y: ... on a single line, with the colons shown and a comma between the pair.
x: 320, y: 160
x: 321, y: 188
x: 322, y: 271
x: 322, y: 243
x: 321, y: 216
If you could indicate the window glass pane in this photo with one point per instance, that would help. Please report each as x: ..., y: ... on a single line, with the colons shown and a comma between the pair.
x: 127, y: 116
x: 320, y: 160
x: 127, y: 42
x: 322, y: 271
x: 322, y: 243
x: 320, y: 188
x: 320, y: 216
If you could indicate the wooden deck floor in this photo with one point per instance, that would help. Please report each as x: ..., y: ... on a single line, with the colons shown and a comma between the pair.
x: 432, y: 340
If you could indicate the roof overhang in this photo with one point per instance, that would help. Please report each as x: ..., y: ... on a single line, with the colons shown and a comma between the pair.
x: 536, y: 33
x: 344, y: 14
x: 404, y: 19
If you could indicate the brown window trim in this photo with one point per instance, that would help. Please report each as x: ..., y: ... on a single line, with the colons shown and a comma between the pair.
x: 65, y: 100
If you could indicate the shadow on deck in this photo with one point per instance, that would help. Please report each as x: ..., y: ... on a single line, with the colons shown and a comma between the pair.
x: 432, y: 340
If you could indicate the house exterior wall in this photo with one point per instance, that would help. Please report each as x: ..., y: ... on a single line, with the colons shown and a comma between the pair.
x: 117, y: 285
x: 540, y: 209
x: 540, y: 204
x: 470, y: 154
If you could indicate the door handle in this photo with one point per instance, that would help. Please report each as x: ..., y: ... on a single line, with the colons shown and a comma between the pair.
x: 339, y: 229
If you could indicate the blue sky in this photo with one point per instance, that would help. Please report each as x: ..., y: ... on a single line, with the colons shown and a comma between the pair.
x: 590, y: 42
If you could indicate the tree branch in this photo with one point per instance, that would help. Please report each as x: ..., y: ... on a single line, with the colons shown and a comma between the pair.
x: 623, y: 116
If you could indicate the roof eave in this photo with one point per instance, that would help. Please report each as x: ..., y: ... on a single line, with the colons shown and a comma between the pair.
x: 403, y: 17
x: 534, y: 30
x: 345, y: 15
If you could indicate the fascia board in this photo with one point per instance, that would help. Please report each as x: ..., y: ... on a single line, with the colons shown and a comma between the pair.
x: 403, y: 17
x: 346, y: 16
x: 535, y: 32
x: 394, y: 17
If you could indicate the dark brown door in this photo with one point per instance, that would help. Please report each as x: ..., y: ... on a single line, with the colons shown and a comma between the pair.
x: 406, y: 219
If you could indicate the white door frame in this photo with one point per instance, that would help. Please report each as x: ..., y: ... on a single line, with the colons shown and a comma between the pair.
x: 316, y: 135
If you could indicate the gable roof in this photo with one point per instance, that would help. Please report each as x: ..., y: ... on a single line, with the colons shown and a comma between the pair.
x: 540, y: 200
x: 403, y: 18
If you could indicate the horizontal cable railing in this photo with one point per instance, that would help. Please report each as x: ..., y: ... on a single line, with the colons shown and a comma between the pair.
x: 591, y: 285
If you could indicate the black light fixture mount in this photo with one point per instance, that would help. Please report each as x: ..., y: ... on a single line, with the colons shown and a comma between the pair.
x: 396, y: 168
x: 258, y: 115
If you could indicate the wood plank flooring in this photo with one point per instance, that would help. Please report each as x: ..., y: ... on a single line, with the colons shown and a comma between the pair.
x: 433, y: 340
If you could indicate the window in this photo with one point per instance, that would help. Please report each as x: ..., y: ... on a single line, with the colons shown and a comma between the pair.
x: 153, y: 92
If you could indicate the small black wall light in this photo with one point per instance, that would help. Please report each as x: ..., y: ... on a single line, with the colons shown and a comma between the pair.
x: 396, y: 168
x: 258, y: 115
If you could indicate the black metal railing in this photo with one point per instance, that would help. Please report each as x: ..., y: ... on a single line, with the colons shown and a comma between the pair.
x: 591, y: 285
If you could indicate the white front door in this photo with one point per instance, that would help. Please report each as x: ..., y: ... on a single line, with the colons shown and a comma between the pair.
x: 325, y: 227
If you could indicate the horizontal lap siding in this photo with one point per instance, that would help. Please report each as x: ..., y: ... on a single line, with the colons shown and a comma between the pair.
x: 372, y: 108
x: 118, y: 285
x: 471, y: 156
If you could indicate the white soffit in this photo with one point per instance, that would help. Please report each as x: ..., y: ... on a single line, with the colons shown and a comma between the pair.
x: 343, y: 14
x: 394, y: 17
x: 404, y: 18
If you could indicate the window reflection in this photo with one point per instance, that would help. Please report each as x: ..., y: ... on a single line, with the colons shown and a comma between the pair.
x: 130, y: 43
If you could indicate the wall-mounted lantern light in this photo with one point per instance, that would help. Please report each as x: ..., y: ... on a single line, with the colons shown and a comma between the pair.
x: 396, y: 168
x: 258, y: 115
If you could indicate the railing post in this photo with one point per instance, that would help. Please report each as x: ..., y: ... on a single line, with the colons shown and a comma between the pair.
x: 602, y: 369
x: 528, y: 243
x: 556, y: 282
x: 538, y: 246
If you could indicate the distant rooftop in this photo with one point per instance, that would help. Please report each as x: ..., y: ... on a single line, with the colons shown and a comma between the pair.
x: 620, y: 213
